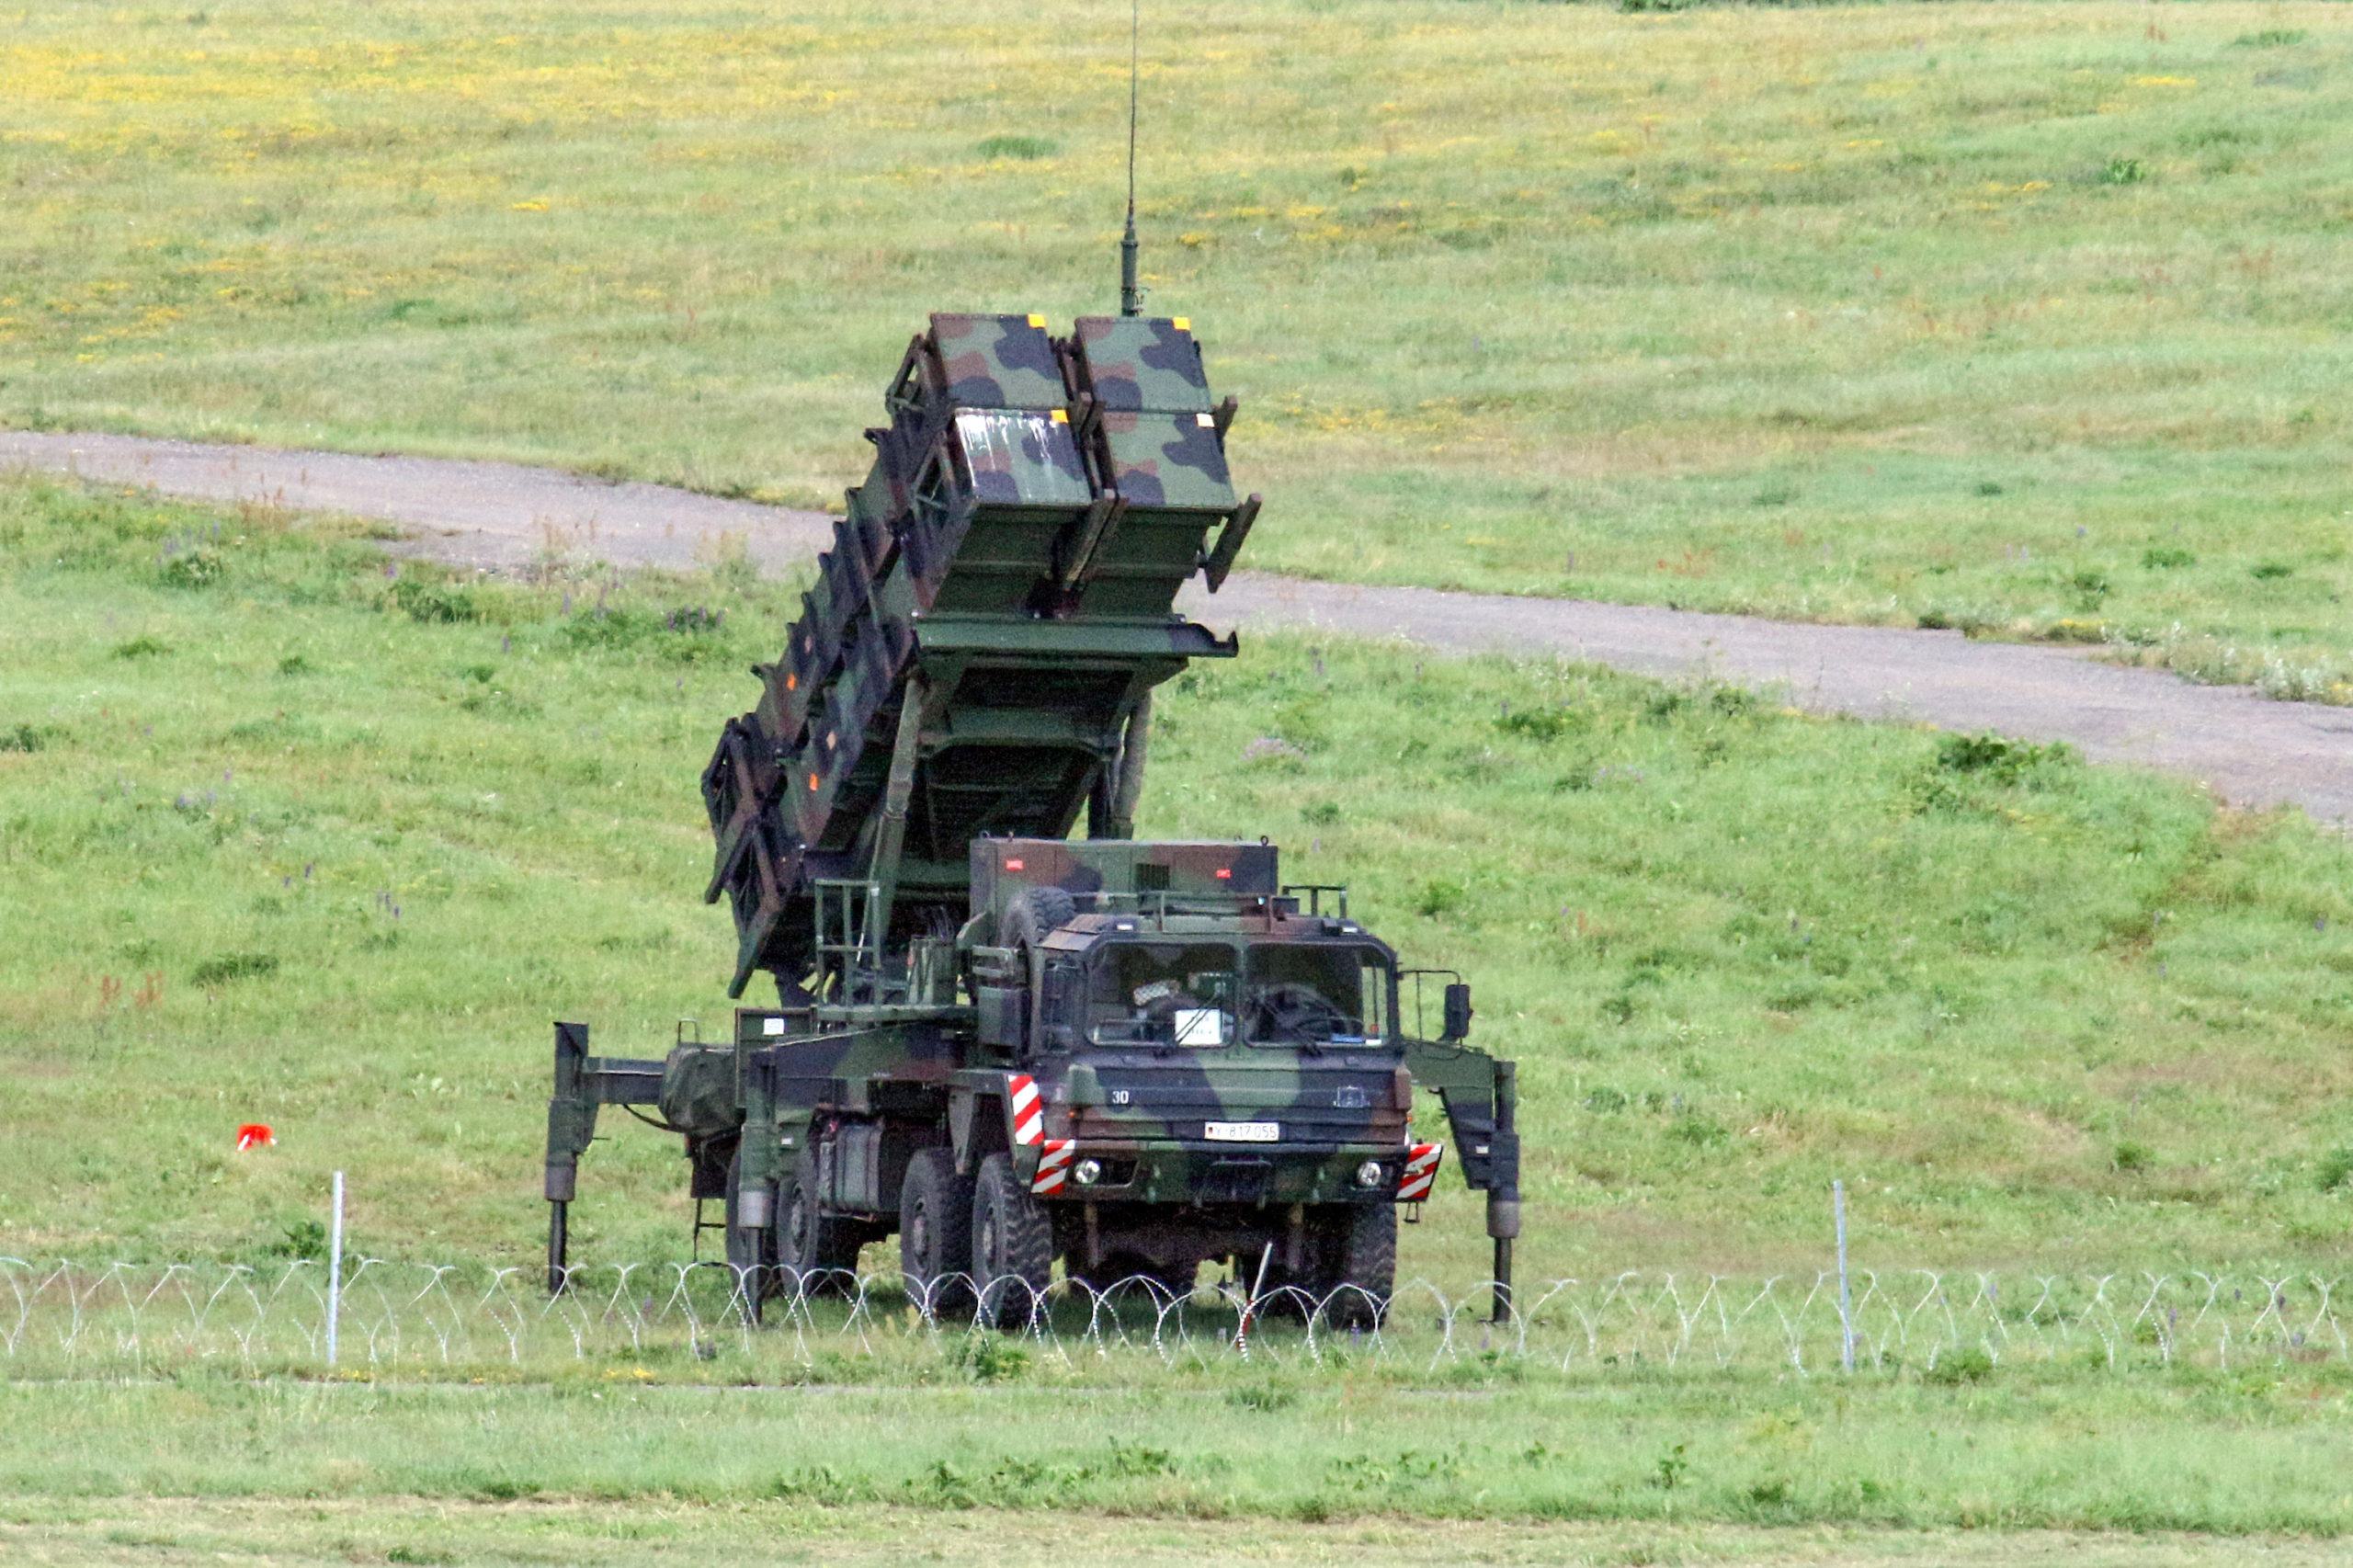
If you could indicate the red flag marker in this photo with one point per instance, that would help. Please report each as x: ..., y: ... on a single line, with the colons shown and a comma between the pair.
x: 255, y: 1135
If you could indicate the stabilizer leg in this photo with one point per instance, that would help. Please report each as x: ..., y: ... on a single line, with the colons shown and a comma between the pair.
x: 1482, y: 1099
x: 1502, y: 1196
x: 559, y: 1246
x: 572, y: 1122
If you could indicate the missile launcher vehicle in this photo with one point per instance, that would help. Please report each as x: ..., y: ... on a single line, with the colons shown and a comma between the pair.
x: 1006, y: 1045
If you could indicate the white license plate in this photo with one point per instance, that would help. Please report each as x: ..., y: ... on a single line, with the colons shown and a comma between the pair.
x: 1244, y: 1131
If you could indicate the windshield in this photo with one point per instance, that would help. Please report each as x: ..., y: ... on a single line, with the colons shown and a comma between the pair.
x: 1316, y: 994
x: 1183, y: 994
x: 1166, y: 994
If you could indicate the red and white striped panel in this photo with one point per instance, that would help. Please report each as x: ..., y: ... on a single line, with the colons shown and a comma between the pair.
x: 1054, y: 1167
x: 1420, y: 1173
x: 1028, y: 1111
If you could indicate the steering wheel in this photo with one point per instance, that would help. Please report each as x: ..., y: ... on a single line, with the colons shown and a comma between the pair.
x: 1298, y: 1013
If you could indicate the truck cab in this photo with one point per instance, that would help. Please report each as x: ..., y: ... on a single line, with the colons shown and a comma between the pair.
x: 1219, y: 1070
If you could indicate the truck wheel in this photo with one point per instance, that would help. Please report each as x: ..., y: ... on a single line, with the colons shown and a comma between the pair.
x: 817, y: 1252
x: 936, y: 1234
x: 1034, y: 913
x: 750, y: 1254
x: 1013, y: 1246
x: 1359, y: 1260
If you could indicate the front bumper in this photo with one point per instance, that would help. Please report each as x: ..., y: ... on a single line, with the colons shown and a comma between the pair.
x: 1186, y: 1172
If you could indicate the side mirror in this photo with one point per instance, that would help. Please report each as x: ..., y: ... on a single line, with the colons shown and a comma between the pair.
x: 1458, y: 1012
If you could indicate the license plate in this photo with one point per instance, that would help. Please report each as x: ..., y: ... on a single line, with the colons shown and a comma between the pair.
x: 1244, y: 1131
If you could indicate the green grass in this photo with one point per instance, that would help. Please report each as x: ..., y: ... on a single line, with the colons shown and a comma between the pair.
x: 432, y: 1529
x: 2021, y: 318
x: 2203, y: 1455
x: 288, y: 838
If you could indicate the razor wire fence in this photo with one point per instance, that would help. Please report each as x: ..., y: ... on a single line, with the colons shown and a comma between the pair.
x: 71, y: 1319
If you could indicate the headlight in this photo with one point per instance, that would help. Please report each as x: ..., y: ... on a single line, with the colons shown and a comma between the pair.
x: 1368, y: 1175
x: 1088, y: 1173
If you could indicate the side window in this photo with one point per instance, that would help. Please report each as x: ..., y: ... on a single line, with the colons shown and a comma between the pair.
x: 1377, y: 982
x: 1059, y: 1005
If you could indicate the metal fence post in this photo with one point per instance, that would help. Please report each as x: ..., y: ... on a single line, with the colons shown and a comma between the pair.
x: 334, y: 1268
x: 1846, y: 1301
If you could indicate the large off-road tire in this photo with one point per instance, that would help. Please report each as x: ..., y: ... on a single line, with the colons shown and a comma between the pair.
x: 1035, y: 913
x: 1013, y: 1246
x: 816, y: 1253
x: 936, y: 1234
x: 750, y: 1254
x: 1355, y: 1263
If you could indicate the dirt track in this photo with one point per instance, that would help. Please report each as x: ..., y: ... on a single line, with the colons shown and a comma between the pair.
x: 493, y: 515
x: 502, y: 517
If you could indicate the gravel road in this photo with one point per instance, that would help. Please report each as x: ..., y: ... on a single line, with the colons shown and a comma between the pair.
x: 496, y: 517
x: 502, y: 517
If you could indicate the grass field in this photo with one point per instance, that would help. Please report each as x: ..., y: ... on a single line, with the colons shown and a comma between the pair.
x: 286, y: 835
x: 2014, y: 317
x: 2024, y: 318
x: 287, y: 838
x: 411, y: 1530
x: 2208, y: 1457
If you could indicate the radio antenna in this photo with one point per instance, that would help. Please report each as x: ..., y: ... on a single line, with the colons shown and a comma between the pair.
x: 1132, y: 297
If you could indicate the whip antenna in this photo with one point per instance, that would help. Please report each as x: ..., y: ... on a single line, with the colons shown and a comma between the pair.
x: 1131, y: 297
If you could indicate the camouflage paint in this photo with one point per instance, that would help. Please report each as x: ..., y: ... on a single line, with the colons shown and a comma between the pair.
x: 1140, y: 362
x: 998, y: 361
x: 1004, y: 581
x: 1034, y: 506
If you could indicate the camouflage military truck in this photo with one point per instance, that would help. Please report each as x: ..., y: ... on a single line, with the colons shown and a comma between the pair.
x: 1006, y: 1045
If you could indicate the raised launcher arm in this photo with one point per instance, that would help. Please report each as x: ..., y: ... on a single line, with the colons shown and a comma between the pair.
x: 978, y: 653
